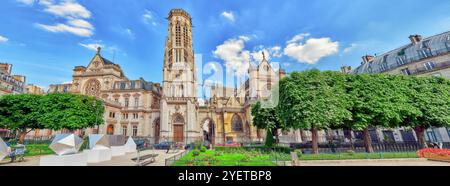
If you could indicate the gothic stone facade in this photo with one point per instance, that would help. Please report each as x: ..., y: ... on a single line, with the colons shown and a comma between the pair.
x: 172, y: 111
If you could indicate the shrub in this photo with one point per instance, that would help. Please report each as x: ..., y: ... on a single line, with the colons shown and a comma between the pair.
x: 195, y: 152
x: 270, y: 142
x: 299, y: 153
x: 203, y: 149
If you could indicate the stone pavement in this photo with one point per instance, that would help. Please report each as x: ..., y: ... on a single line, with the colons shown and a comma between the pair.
x: 116, y: 161
x: 160, y: 161
x: 375, y: 162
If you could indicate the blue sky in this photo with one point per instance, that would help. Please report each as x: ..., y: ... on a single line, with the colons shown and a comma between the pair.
x: 45, y: 39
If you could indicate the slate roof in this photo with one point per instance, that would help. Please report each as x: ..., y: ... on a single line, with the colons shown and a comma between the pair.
x: 428, y: 47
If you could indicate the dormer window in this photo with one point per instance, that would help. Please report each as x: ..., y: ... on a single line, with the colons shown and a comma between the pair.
x: 425, y: 51
x: 447, y: 42
x: 401, y: 60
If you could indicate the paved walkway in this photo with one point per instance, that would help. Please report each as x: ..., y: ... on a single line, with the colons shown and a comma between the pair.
x: 116, y: 161
x: 160, y: 161
x: 379, y: 162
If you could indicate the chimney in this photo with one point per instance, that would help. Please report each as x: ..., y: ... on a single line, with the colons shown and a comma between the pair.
x: 367, y: 58
x: 6, y: 67
x: 346, y: 69
x: 415, y: 38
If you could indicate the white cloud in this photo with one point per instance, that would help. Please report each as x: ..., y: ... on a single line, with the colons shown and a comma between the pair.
x: 92, y: 46
x: 84, y: 32
x: 350, y: 48
x: 68, y: 9
x: 3, y: 39
x: 129, y: 33
x: 228, y: 15
x: 311, y: 50
x: 298, y: 37
x: 233, y: 54
x: 149, y: 18
x: 269, y: 53
x: 27, y: 2
x: 81, y: 24
x: 75, y: 14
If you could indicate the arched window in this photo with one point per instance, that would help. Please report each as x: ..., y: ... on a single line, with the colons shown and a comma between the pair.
x: 236, y: 123
x: 178, y: 119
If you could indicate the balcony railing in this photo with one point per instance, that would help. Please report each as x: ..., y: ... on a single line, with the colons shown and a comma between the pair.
x: 413, y: 59
x: 437, y: 66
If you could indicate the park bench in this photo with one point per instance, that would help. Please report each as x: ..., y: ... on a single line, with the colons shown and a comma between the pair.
x: 18, y: 153
x: 145, y: 160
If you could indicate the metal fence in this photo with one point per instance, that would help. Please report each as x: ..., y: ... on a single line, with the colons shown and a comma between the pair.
x: 359, y: 147
x: 170, y: 161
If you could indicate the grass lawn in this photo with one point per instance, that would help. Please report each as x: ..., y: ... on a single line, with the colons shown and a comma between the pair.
x: 248, y: 157
x: 36, y: 150
x: 215, y: 158
x: 349, y: 156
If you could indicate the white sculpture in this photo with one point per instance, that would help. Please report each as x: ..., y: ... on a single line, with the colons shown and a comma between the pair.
x: 98, y: 141
x: 131, y: 145
x: 3, y: 149
x: 65, y: 144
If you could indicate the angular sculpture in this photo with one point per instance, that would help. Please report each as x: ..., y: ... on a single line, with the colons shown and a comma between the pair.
x: 65, y: 144
x: 117, y: 140
x: 3, y: 149
x: 131, y: 145
x: 99, y: 141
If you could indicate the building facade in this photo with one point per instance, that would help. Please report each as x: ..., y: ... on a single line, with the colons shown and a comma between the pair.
x: 172, y: 111
x: 421, y: 57
x: 9, y: 83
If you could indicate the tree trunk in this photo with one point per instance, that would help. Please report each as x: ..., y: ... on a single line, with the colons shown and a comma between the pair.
x: 420, y: 132
x: 275, y: 134
x: 315, y: 145
x: 23, y: 134
x: 303, y: 136
x: 352, y: 146
x: 367, y: 141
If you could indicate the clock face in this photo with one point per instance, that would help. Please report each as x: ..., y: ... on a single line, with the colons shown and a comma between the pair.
x: 92, y: 87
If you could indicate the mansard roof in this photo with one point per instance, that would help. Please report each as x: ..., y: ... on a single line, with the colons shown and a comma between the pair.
x: 415, y: 51
x: 137, y: 85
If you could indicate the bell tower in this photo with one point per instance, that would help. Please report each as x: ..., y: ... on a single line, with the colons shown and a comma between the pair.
x: 179, y: 103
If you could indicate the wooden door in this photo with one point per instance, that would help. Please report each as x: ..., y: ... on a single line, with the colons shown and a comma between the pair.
x: 178, y: 133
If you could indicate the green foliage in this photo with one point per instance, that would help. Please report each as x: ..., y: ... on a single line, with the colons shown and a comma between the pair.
x: 298, y: 152
x: 52, y: 111
x: 313, y: 99
x: 265, y: 118
x: 203, y: 149
x: 70, y: 111
x: 430, y: 96
x: 20, y: 112
x: 195, y: 152
x: 270, y: 141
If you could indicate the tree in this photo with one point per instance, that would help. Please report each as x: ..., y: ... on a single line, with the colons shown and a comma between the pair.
x: 431, y: 97
x: 70, y: 111
x: 267, y: 118
x: 378, y: 100
x: 313, y: 100
x: 20, y: 112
